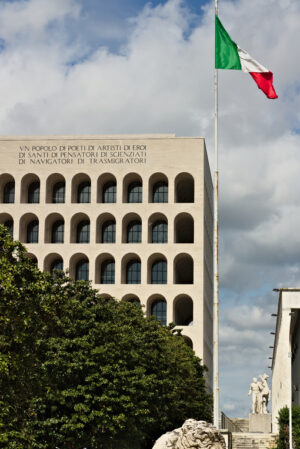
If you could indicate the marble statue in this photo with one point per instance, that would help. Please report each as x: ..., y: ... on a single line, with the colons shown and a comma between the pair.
x: 265, y: 393
x: 256, y: 400
x: 192, y: 435
x: 260, y: 395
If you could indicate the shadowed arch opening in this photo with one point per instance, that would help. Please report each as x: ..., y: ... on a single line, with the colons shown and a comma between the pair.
x: 157, y: 307
x: 106, y: 228
x: 7, y: 220
x: 52, y: 262
x: 157, y: 269
x: 132, y: 299
x: 184, y: 188
x: 7, y: 188
x: 131, y: 269
x: 54, y: 228
x: 105, y: 269
x: 184, y: 228
x: 132, y: 188
x: 33, y: 258
x: 30, y: 189
x: 55, y: 188
x: 132, y: 228
x: 188, y: 341
x: 105, y: 296
x: 107, y: 188
x: 79, y: 267
x: 183, y: 310
x: 29, y: 228
x: 183, y: 269
x: 158, y: 228
x: 158, y: 188
x: 81, y: 188
x: 80, y: 228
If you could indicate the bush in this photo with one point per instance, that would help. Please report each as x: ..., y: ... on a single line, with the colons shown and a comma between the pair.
x: 77, y: 370
x: 283, y: 421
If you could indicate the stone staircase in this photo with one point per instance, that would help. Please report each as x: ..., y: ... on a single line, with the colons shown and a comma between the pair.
x: 239, y: 437
x: 241, y: 423
x: 247, y: 440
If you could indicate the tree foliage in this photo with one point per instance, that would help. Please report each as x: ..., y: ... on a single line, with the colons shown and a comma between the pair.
x: 283, y: 421
x: 79, y: 371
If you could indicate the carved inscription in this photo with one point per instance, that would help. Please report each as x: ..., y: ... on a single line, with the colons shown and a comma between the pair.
x: 82, y: 154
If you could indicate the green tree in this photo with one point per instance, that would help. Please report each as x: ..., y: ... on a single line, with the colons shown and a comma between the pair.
x: 283, y: 421
x: 77, y: 370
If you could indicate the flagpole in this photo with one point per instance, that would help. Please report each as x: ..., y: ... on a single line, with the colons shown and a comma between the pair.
x: 216, y: 260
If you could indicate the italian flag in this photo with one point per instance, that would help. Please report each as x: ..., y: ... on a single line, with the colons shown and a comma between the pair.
x: 228, y: 55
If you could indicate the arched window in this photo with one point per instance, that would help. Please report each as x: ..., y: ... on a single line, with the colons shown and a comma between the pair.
x: 109, y: 232
x: 160, y: 232
x: 134, y: 232
x: 133, y: 272
x: 159, y: 311
x: 135, y: 192
x: 159, y: 272
x: 57, y: 264
x: 82, y: 270
x: 34, y: 192
x: 84, y: 192
x: 83, y: 232
x: 57, y: 235
x: 160, y: 192
x: 59, y: 191
x: 9, y: 192
x: 135, y: 301
x: 109, y: 193
x: 108, y: 272
x: 10, y: 226
x: 33, y: 232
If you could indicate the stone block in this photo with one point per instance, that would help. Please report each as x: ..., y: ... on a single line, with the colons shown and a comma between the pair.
x: 227, y: 437
x: 260, y: 423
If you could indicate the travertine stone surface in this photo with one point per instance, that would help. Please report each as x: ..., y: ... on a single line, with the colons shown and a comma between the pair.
x: 177, y: 164
x: 260, y: 423
x: 254, y: 441
x: 192, y: 435
x: 286, y: 375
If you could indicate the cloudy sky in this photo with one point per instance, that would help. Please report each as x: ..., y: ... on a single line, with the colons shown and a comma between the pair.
x: 98, y: 66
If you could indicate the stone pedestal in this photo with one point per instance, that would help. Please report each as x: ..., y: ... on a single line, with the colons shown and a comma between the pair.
x: 260, y: 423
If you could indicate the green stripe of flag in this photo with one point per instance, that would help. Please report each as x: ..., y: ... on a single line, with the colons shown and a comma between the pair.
x: 226, y: 52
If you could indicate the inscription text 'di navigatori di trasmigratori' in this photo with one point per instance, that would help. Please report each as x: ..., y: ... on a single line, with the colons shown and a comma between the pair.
x: 81, y: 154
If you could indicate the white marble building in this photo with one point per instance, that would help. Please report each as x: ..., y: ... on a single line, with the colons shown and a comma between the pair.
x: 131, y: 213
x: 286, y: 353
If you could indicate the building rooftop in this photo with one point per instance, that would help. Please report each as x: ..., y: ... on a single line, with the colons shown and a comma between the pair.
x: 100, y: 137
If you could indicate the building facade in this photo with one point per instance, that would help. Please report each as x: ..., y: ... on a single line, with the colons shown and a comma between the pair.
x: 286, y: 353
x: 133, y: 214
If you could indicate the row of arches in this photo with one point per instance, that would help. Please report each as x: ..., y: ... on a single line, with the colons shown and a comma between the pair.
x: 156, y: 306
x: 131, y: 268
x: 106, y: 189
x: 105, y: 231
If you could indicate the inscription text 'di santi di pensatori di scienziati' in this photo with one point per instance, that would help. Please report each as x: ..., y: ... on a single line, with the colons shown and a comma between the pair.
x: 81, y: 154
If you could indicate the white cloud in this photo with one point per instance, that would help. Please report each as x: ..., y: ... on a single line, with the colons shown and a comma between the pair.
x: 31, y: 19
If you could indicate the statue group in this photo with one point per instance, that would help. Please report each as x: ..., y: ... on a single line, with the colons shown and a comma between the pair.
x: 261, y: 395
